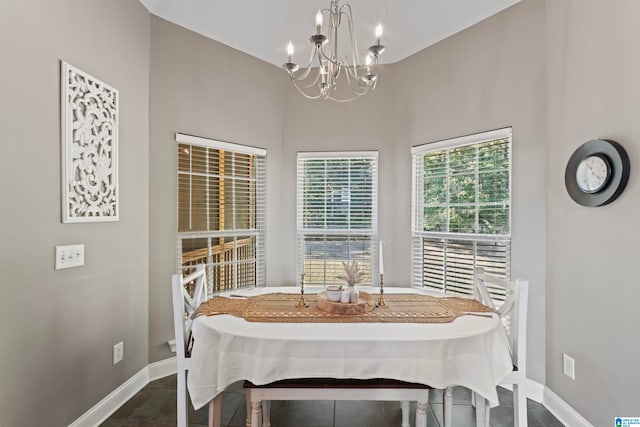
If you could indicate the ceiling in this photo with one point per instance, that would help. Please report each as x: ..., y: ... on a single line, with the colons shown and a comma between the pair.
x: 262, y: 28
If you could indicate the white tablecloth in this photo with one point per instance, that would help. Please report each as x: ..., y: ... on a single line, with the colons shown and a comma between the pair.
x: 471, y: 351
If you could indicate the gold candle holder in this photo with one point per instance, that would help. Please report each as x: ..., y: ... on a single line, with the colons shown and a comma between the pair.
x: 381, y: 301
x: 301, y: 302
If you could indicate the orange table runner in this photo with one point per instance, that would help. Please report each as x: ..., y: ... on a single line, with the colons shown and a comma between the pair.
x: 402, y: 308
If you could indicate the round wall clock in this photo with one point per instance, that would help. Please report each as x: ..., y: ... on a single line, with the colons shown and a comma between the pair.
x: 597, y: 172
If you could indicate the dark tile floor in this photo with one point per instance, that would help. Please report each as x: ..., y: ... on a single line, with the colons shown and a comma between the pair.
x: 155, y: 406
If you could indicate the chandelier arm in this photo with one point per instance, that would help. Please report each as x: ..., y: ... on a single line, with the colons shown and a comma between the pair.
x: 355, y: 71
x: 354, y: 42
x: 357, y: 91
x: 337, y: 63
x: 337, y: 70
x: 356, y: 96
x: 361, y: 80
x: 313, y: 83
x: 304, y: 93
x: 357, y: 88
x: 326, y: 58
x: 301, y: 77
x: 299, y: 82
x: 307, y: 70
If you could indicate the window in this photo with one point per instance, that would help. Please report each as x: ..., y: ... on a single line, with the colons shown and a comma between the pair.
x: 461, y: 211
x: 221, y: 211
x: 337, y: 214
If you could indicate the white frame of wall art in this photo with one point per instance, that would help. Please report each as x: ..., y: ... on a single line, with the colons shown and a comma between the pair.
x: 90, y: 119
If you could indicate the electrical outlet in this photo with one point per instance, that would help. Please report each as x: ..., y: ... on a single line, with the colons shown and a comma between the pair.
x: 118, y: 352
x: 569, y: 366
x: 69, y: 256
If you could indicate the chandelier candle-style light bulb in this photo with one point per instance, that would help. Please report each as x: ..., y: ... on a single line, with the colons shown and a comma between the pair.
x: 328, y: 70
x: 319, y: 22
x: 290, y: 51
x: 378, y: 33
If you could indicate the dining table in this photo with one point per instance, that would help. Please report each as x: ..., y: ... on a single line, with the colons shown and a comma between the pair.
x: 471, y: 350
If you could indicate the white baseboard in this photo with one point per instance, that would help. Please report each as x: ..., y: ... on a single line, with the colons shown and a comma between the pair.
x: 114, y: 400
x: 562, y: 411
x: 558, y: 407
x: 118, y: 397
x: 163, y: 368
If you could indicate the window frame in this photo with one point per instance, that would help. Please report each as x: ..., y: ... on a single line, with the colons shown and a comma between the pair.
x: 257, y: 230
x: 372, y: 232
x: 418, y: 234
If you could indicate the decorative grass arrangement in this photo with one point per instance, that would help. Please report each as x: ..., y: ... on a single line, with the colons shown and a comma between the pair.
x: 352, y: 273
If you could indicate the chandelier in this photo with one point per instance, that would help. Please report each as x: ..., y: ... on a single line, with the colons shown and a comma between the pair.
x: 319, y: 77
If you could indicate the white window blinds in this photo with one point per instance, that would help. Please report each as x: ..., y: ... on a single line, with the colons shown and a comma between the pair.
x: 461, y: 211
x: 222, y: 211
x: 337, y: 218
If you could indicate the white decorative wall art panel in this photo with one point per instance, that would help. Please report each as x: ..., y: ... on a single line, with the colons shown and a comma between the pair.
x: 89, y: 148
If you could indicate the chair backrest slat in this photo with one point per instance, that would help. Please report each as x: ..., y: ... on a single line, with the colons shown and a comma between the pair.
x: 512, y: 311
x: 184, y: 305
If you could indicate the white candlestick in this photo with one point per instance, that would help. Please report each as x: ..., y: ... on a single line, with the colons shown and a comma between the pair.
x: 381, y: 264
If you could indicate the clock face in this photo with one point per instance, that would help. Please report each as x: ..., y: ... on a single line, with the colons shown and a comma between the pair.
x: 593, y: 174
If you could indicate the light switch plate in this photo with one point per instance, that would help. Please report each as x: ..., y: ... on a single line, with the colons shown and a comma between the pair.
x: 569, y: 366
x: 118, y: 352
x: 68, y: 256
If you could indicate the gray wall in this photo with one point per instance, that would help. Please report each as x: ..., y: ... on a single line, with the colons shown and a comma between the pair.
x: 204, y: 88
x: 310, y: 125
x: 58, y: 327
x: 489, y: 76
x: 592, y: 275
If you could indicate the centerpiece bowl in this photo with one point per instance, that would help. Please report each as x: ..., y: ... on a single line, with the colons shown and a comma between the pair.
x: 364, y: 305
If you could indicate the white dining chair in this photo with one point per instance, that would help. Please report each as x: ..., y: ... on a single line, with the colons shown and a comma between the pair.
x: 513, y: 313
x: 184, y: 306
